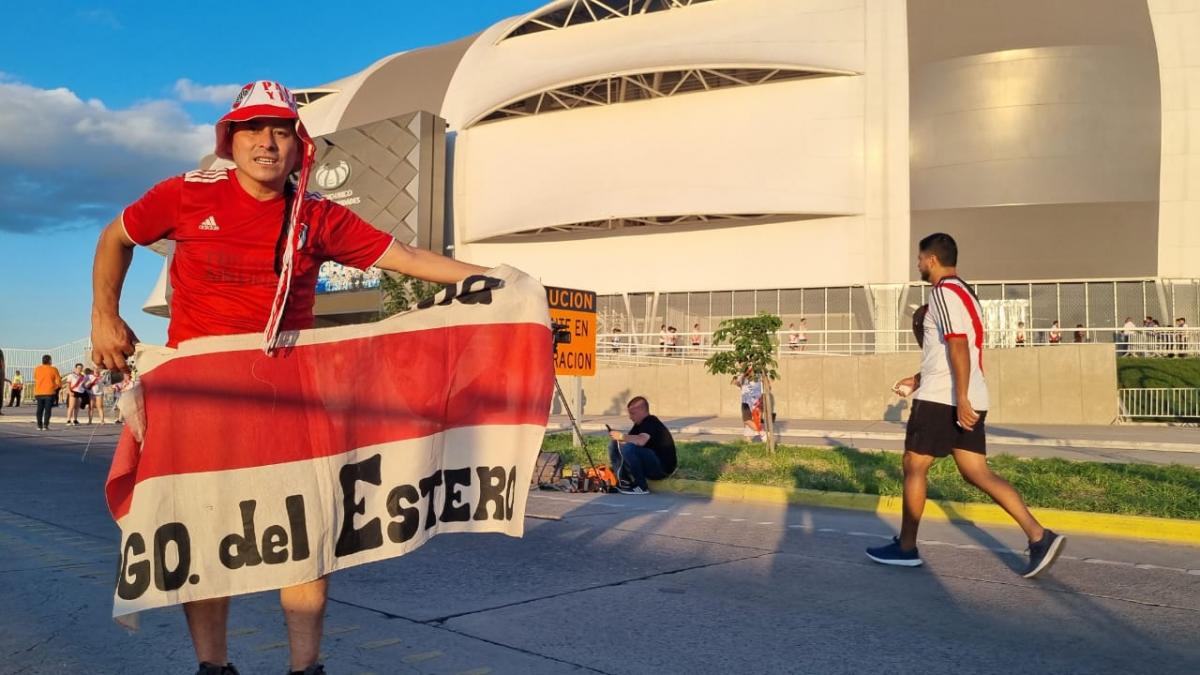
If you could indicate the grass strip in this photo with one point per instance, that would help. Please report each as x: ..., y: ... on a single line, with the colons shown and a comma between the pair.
x: 1134, y: 372
x: 1132, y: 489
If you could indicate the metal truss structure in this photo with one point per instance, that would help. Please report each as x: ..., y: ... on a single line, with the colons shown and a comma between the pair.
x: 643, y: 86
x: 626, y: 224
x: 575, y: 12
x: 306, y: 96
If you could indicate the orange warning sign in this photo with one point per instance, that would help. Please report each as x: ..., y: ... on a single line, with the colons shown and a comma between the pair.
x: 574, y: 313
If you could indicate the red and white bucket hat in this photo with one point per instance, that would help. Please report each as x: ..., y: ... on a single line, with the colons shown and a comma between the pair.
x: 259, y: 99
x: 264, y: 98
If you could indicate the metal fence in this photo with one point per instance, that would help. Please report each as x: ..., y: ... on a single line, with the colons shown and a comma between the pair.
x: 1160, y: 404
x: 860, y: 315
x: 648, y: 348
x: 63, y: 356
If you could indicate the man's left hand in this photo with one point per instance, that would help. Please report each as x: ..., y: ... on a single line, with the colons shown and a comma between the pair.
x: 967, y: 417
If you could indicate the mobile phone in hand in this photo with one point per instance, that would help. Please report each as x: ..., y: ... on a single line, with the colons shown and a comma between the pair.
x: 608, y: 428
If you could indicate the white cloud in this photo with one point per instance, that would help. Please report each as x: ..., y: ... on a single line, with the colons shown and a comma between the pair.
x: 217, y: 94
x: 66, y: 162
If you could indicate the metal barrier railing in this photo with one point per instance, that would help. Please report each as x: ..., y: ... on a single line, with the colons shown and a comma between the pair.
x: 643, y: 348
x: 1180, y: 404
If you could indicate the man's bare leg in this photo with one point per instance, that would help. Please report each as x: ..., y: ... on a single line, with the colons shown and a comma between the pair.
x: 916, y: 479
x: 206, y: 621
x: 304, y: 609
x: 71, y: 403
x: 975, y: 470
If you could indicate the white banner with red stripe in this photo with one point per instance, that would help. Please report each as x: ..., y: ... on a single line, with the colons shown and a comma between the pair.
x: 348, y: 445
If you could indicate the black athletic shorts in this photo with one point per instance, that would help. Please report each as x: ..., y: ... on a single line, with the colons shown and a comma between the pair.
x: 933, y: 430
x: 83, y: 397
x: 747, y: 413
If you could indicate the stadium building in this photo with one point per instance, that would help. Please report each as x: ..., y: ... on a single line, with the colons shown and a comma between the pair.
x: 692, y: 160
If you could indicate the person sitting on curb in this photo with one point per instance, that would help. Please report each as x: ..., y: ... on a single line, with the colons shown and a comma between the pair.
x: 647, y: 451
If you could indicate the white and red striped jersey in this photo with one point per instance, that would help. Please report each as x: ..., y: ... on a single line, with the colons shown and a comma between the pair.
x: 954, y: 313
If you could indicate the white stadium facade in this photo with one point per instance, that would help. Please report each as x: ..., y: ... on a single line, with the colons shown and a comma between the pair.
x: 691, y: 160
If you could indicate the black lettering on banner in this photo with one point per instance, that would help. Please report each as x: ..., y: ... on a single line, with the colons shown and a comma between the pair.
x: 171, y: 533
x: 369, y: 536
x: 481, y: 295
x: 274, y: 549
x: 296, y: 520
x: 134, y: 577
x: 427, y: 485
x: 246, y: 544
x: 409, y: 516
x: 450, y: 512
x: 491, y: 490
x: 510, y: 497
x: 474, y: 290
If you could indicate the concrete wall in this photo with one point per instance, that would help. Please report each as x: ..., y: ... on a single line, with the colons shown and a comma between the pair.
x: 1065, y: 384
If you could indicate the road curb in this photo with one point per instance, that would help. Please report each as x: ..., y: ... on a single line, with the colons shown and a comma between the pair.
x: 1142, y: 528
x: 996, y: 439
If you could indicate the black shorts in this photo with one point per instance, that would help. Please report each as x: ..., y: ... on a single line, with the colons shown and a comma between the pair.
x: 747, y: 413
x: 933, y: 430
x: 83, y: 398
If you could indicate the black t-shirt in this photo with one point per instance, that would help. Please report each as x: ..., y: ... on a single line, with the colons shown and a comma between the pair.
x: 661, y: 441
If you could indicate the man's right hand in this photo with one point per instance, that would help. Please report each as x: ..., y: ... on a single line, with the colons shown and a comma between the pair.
x: 112, y: 342
x: 906, y: 386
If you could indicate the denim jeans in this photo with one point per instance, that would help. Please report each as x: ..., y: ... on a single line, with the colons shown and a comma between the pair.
x: 634, y: 463
x: 43, y: 410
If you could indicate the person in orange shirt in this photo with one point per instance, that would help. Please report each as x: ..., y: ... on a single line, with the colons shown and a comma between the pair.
x: 46, y: 383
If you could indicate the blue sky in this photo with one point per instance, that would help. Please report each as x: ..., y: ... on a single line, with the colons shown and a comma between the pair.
x: 98, y: 101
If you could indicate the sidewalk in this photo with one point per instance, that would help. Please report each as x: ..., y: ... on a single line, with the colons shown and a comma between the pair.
x: 1149, y: 443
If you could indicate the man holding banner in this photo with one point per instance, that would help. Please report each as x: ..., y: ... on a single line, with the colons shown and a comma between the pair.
x: 248, y: 246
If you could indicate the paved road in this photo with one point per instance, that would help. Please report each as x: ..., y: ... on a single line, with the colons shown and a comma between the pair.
x: 612, y: 584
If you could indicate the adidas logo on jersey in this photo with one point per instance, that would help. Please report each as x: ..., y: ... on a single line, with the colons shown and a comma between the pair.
x: 210, y: 223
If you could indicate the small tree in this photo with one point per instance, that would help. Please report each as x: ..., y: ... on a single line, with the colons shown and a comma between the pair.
x: 402, y: 292
x: 753, y: 342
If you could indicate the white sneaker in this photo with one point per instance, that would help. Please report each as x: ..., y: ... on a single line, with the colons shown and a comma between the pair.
x: 633, y: 491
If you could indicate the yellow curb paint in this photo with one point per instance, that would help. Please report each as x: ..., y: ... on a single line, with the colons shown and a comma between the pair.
x: 1105, y: 524
x: 422, y: 657
x: 376, y: 644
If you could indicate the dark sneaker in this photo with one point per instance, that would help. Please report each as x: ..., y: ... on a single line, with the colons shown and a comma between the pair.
x: 1043, y: 553
x: 635, y: 490
x: 314, y: 669
x: 893, y: 555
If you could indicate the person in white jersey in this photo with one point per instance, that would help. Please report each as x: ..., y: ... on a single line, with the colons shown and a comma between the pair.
x: 948, y: 413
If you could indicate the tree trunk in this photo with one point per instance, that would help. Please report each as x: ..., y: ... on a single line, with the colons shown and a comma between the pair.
x: 769, y: 413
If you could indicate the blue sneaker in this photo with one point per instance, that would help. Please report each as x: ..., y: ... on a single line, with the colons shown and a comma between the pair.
x: 892, y: 555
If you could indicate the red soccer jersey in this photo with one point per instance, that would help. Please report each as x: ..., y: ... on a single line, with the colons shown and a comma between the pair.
x: 223, y: 276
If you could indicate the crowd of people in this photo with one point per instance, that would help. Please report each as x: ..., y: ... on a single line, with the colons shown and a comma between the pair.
x: 1153, y: 339
x: 673, y: 343
x: 334, y: 277
x: 96, y: 391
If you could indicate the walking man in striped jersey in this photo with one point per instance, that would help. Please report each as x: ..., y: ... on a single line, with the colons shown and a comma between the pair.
x: 948, y: 413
